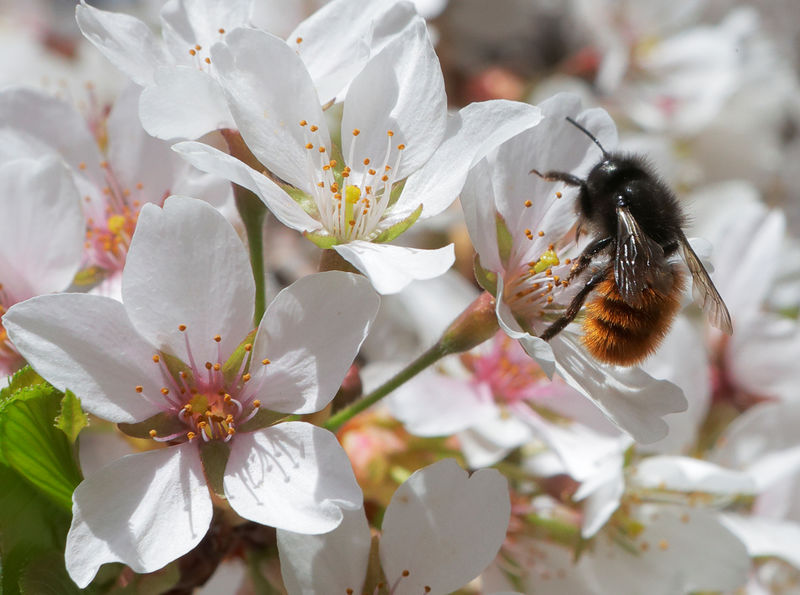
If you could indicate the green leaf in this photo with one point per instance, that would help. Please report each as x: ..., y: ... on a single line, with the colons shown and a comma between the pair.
x: 395, y: 230
x: 33, y: 446
x: 71, y: 420
x: 30, y: 526
x: 47, y: 575
x: 23, y: 378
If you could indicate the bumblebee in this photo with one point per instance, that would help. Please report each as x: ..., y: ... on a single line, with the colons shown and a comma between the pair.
x: 638, y: 225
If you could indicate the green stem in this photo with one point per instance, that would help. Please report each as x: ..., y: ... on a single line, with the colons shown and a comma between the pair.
x: 253, y: 212
x: 428, y: 358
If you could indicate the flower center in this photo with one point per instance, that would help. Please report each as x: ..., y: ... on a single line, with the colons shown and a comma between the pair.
x: 506, y: 369
x: 529, y: 291
x: 111, y: 221
x: 351, y: 204
x: 209, y: 400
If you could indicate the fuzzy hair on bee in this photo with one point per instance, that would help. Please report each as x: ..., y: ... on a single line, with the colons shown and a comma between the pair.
x: 637, y: 225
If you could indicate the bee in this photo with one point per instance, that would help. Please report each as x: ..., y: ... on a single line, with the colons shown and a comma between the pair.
x: 636, y: 219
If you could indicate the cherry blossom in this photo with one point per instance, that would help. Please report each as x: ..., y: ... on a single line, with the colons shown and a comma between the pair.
x: 178, y: 355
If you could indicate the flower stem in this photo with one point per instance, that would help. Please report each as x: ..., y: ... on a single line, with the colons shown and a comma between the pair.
x: 428, y: 358
x: 253, y: 212
x: 474, y: 325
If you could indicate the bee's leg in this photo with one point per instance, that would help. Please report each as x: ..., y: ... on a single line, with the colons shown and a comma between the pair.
x: 575, y: 306
x: 559, y: 176
x: 588, y: 254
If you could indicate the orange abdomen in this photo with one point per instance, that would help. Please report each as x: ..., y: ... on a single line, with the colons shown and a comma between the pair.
x: 616, y: 332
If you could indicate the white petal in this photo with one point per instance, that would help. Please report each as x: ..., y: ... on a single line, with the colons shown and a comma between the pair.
x: 187, y: 23
x: 291, y: 476
x: 42, y: 228
x: 391, y: 268
x: 687, y: 550
x: 135, y: 156
x: 539, y: 349
x: 685, y: 474
x: 126, y: 41
x: 601, y: 503
x: 86, y: 343
x: 329, y: 563
x: 480, y: 214
x: 471, y: 134
x: 630, y: 398
x: 402, y: 90
x: 183, y: 102
x: 433, y: 404
x: 144, y: 510
x: 311, y: 333
x: 444, y: 527
x: 209, y: 159
x: 186, y: 265
x: 486, y: 444
x: 766, y: 537
x: 57, y: 125
x: 269, y: 92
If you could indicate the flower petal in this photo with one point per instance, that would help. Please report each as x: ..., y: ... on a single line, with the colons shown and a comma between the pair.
x: 125, y: 40
x: 334, y: 562
x: 291, y: 476
x: 183, y: 102
x: 214, y: 161
x: 86, y: 343
x: 269, y: 93
x: 630, y: 398
x: 433, y: 404
x: 41, y: 228
x: 187, y: 266
x: 311, y: 333
x: 766, y: 537
x: 144, y: 510
x: 471, y: 134
x: 443, y: 527
x: 391, y: 268
x: 402, y: 90
x: 686, y: 474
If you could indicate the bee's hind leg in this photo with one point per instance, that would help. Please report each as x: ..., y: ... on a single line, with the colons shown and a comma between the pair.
x: 574, y: 306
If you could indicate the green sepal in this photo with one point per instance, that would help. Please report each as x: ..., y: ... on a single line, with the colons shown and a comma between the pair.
x: 323, y: 240
x: 71, y: 419
x: 505, y: 241
x: 305, y: 200
x: 33, y: 446
x: 263, y: 419
x: 395, y: 193
x: 375, y: 581
x: 485, y: 278
x: 89, y: 277
x: 214, y: 455
x: 165, y: 424
x: 231, y: 367
x: 387, y: 235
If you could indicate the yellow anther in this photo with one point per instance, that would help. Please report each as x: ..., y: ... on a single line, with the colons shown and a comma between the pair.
x: 248, y: 346
x: 152, y: 433
x: 115, y: 223
x: 314, y: 128
x: 156, y: 358
x: 217, y: 338
x: 139, y: 388
x: 265, y: 361
x: 356, y: 132
x: 181, y: 327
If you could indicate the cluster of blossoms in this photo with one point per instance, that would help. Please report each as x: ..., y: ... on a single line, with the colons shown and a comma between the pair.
x: 231, y: 419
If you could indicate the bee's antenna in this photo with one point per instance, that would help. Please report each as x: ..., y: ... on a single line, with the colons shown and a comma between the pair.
x: 589, y: 134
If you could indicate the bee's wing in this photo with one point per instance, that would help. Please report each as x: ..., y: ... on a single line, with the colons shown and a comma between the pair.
x: 639, y: 262
x: 704, y: 291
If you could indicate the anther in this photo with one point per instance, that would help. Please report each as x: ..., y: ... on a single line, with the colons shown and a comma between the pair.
x: 207, y: 60
x: 217, y: 367
x: 299, y: 40
x: 217, y: 338
x: 265, y: 361
x: 558, y: 195
x: 191, y: 436
x: 366, y: 161
x: 303, y: 122
x: 256, y: 404
x: 221, y: 31
x: 181, y: 327
x: 314, y: 128
x: 248, y: 346
x: 152, y: 433
x: 390, y: 132
x: 192, y: 52
x: 406, y: 573
x: 400, y: 147
x: 139, y: 185
x: 528, y: 203
x: 541, y: 234
x: 208, y: 365
x: 82, y: 165
x: 156, y: 358
x: 245, y: 377
x: 309, y: 146
x: 139, y: 388
x: 164, y: 391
